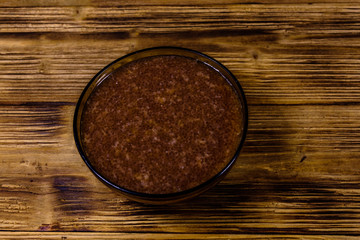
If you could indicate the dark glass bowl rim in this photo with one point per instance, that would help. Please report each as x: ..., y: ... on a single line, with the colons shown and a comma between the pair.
x: 166, y: 195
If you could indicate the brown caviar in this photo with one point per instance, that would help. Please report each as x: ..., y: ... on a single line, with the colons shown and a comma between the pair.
x: 161, y: 124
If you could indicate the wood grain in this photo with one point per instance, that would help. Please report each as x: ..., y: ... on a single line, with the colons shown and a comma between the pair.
x: 298, y: 175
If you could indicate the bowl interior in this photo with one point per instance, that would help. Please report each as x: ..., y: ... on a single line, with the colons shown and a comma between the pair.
x: 104, y: 73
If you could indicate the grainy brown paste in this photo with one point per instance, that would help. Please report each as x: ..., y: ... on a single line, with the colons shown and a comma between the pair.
x: 161, y: 124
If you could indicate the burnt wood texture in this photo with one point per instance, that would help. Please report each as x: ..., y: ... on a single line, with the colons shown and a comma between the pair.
x: 298, y: 175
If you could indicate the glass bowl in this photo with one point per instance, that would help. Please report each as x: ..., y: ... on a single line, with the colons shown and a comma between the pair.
x: 159, y: 51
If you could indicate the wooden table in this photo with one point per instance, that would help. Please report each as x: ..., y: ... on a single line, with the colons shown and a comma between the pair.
x: 298, y: 176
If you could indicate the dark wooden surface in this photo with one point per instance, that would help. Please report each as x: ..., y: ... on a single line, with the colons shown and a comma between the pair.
x: 298, y: 176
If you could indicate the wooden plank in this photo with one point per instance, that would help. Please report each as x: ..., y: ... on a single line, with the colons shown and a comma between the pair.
x: 320, y: 18
x: 52, y: 72
x: 81, y: 235
x: 73, y: 203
